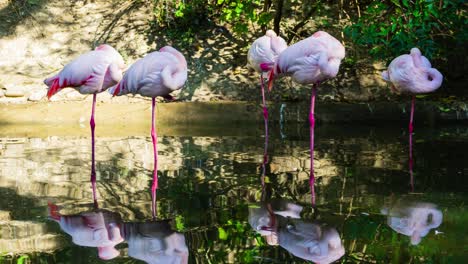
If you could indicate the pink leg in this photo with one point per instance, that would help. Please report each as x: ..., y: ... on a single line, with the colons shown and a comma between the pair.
x: 93, y: 164
x: 410, y: 131
x: 312, y: 127
x: 265, y: 109
x: 265, y: 149
x: 154, y: 136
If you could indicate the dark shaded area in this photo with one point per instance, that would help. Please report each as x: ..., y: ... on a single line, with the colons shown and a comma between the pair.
x: 16, y: 12
x: 207, y: 49
x: 108, y: 32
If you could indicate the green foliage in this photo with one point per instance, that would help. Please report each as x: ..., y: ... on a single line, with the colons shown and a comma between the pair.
x: 390, y: 28
x: 240, y: 12
x: 222, y: 234
x: 33, y: 2
x: 22, y: 259
x: 179, y: 222
x: 182, y: 18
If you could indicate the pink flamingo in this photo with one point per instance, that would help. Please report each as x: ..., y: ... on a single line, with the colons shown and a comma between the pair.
x: 157, y: 74
x: 97, y: 228
x: 310, y: 61
x: 412, y: 74
x: 90, y: 73
x: 262, y: 56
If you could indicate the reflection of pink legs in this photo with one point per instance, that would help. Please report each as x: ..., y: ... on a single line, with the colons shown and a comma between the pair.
x: 93, y: 164
x: 312, y: 127
x: 154, y: 136
x: 410, y: 132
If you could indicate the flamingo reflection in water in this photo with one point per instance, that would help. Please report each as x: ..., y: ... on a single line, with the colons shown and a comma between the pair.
x: 279, y: 222
x: 98, y: 228
x: 153, y: 241
x: 414, y: 219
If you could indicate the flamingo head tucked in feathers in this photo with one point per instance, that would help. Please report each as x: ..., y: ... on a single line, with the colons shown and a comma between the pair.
x: 177, y: 54
x: 116, y: 57
x: 331, y: 54
x: 412, y: 73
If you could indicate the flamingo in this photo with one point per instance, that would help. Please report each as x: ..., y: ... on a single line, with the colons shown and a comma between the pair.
x: 90, y: 73
x: 97, y: 228
x: 281, y: 224
x: 151, y: 241
x: 310, y: 61
x: 412, y: 74
x: 262, y: 57
x: 414, y: 219
x: 157, y: 74
x: 155, y: 242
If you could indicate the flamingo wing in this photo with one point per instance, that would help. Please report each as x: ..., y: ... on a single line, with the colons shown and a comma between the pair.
x: 85, y: 73
x: 157, y: 74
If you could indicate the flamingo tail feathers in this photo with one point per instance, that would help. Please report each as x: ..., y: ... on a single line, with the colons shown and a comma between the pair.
x: 53, y: 211
x: 115, y: 90
x: 54, y: 88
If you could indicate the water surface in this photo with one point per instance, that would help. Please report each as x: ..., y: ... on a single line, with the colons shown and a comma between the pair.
x: 210, y: 188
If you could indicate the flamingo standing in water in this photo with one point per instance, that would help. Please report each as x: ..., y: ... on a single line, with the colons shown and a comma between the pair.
x: 90, y: 73
x: 262, y: 56
x: 412, y: 74
x: 310, y: 61
x: 157, y: 74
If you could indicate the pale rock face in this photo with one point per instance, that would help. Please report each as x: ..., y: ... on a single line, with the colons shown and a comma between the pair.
x: 37, y: 95
x: 59, y: 31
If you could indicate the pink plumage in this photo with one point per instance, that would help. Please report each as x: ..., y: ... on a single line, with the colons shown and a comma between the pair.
x: 311, y: 60
x: 262, y: 57
x: 157, y: 74
x: 90, y: 73
x: 413, y: 73
x: 265, y: 50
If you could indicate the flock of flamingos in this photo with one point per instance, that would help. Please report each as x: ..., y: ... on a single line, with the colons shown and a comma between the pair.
x: 310, y: 61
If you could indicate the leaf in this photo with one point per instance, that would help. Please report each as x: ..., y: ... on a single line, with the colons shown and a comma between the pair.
x: 264, y: 18
x: 33, y: 2
x: 222, y: 234
x: 22, y: 259
x: 179, y: 13
x: 179, y: 223
x: 396, y: 2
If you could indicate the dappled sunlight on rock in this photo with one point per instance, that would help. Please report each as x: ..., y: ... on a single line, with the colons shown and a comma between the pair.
x: 24, y: 236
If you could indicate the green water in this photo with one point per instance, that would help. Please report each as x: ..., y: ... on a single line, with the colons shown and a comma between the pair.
x: 210, y: 186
